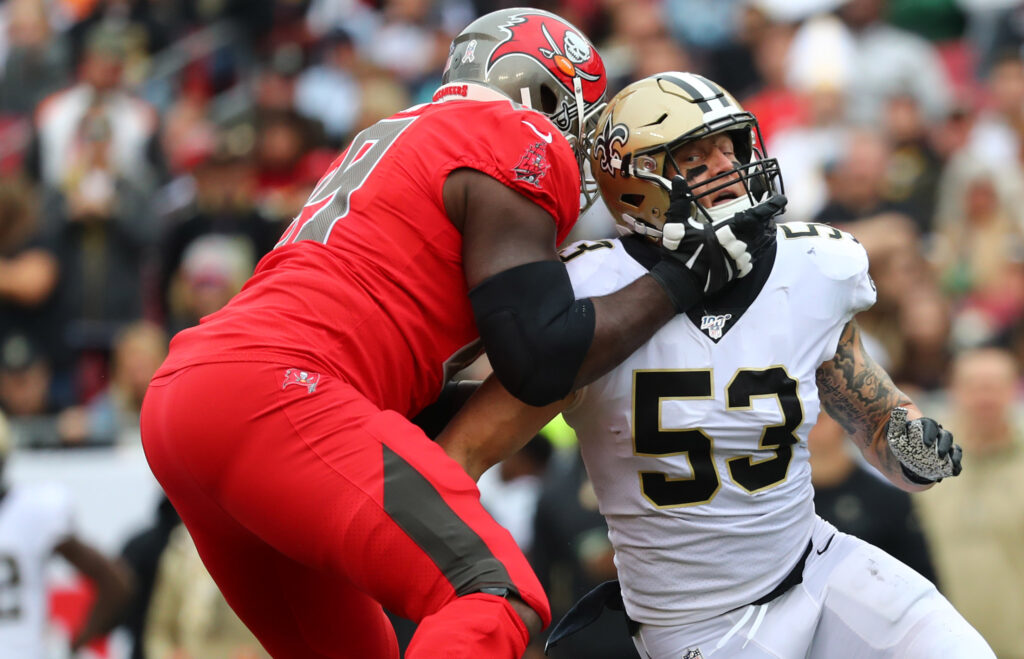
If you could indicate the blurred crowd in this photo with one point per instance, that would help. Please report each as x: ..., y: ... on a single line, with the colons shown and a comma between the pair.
x: 151, y: 151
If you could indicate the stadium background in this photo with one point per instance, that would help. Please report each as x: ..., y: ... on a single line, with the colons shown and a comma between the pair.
x: 152, y: 150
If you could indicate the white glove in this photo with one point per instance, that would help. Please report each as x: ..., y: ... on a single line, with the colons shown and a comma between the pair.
x: 735, y: 234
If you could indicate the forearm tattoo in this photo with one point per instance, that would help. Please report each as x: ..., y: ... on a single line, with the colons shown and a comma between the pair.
x: 859, y: 394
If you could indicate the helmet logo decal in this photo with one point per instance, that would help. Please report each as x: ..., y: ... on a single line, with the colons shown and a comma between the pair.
x: 605, y: 150
x: 533, y: 165
x: 576, y: 49
x: 470, y: 54
x: 558, y: 47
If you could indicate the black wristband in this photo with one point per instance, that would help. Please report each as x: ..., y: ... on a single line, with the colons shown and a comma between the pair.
x: 679, y: 283
x: 916, y: 478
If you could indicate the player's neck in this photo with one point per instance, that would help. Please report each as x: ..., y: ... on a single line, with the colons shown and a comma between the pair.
x: 467, y: 91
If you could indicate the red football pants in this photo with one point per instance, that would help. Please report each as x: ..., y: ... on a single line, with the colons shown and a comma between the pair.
x: 311, y: 508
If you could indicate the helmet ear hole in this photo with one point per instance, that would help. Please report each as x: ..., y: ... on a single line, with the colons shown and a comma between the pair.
x: 632, y: 199
x: 548, y: 100
x: 741, y: 142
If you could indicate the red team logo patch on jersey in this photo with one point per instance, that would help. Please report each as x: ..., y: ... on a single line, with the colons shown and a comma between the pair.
x: 533, y: 164
x: 301, y: 378
x: 560, y: 49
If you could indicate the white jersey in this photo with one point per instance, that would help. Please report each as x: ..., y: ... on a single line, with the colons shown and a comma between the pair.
x: 34, y: 520
x: 697, y: 443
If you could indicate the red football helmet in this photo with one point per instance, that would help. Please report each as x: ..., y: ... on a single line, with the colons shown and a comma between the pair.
x: 540, y: 60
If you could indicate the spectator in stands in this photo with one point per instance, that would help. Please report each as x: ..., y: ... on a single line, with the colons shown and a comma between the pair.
x: 775, y: 102
x: 979, y: 241
x: 900, y: 274
x: 188, y: 134
x: 914, y: 168
x: 993, y: 27
x: 355, y: 16
x: 283, y: 140
x: 188, y: 617
x: 37, y: 522
x: 383, y: 95
x: 889, y: 60
x: 857, y: 180
x: 980, y: 248
x: 975, y: 524
x: 404, y: 41
x: 819, y: 69
x: 639, y: 43
x: 29, y: 270
x: 224, y: 204
x: 860, y: 503
x: 274, y: 80
x: 112, y: 415
x: 925, y: 326
x: 213, y: 268
x: 710, y: 33
x: 133, y: 148
x: 103, y: 235
x: 328, y: 91
x: 24, y: 378
x: 37, y: 64
x: 998, y: 132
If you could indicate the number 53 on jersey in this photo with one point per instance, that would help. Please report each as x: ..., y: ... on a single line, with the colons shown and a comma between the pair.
x: 652, y: 387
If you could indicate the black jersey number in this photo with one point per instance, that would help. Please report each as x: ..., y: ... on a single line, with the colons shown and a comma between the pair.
x: 10, y: 588
x: 814, y: 230
x: 330, y: 198
x: 582, y: 248
x: 651, y: 388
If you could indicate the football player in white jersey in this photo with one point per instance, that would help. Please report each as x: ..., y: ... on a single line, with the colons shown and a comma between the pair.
x: 697, y: 443
x: 36, y: 523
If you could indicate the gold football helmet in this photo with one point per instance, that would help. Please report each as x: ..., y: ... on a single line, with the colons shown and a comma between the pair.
x: 642, y: 128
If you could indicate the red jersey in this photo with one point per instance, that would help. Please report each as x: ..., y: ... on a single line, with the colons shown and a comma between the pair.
x: 367, y: 283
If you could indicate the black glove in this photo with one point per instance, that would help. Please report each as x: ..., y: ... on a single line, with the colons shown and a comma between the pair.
x: 924, y: 448
x: 699, y: 258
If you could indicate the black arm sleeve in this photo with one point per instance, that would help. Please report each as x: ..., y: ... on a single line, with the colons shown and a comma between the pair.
x: 434, y: 417
x: 535, y: 331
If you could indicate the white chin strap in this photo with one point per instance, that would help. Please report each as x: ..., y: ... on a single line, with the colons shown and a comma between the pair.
x: 632, y: 225
x: 730, y: 208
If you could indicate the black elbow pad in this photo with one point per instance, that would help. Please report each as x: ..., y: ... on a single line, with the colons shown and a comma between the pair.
x: 535, y: 331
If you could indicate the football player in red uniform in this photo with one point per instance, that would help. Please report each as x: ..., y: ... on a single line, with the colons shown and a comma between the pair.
x: 279, y: 427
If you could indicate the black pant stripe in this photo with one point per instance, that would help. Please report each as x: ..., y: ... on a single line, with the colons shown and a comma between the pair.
x: 455, y: 548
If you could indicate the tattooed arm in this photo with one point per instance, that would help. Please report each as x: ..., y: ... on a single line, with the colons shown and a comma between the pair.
x: 859, y: 395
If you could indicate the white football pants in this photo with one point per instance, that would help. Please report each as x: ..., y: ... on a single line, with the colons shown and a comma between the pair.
x: 855, y: 602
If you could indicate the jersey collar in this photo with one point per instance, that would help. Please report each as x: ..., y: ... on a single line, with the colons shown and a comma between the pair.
x: 467, y: 91
x: 728, y: 305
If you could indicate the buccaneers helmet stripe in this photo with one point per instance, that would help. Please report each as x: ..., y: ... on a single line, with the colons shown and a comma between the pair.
x: 705, y: 93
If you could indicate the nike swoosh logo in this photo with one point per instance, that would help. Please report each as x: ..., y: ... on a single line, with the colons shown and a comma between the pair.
x: 827, y: 544
x: 544, y: 136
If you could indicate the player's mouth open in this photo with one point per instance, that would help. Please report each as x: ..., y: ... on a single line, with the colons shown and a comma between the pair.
x: 724, y: 196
